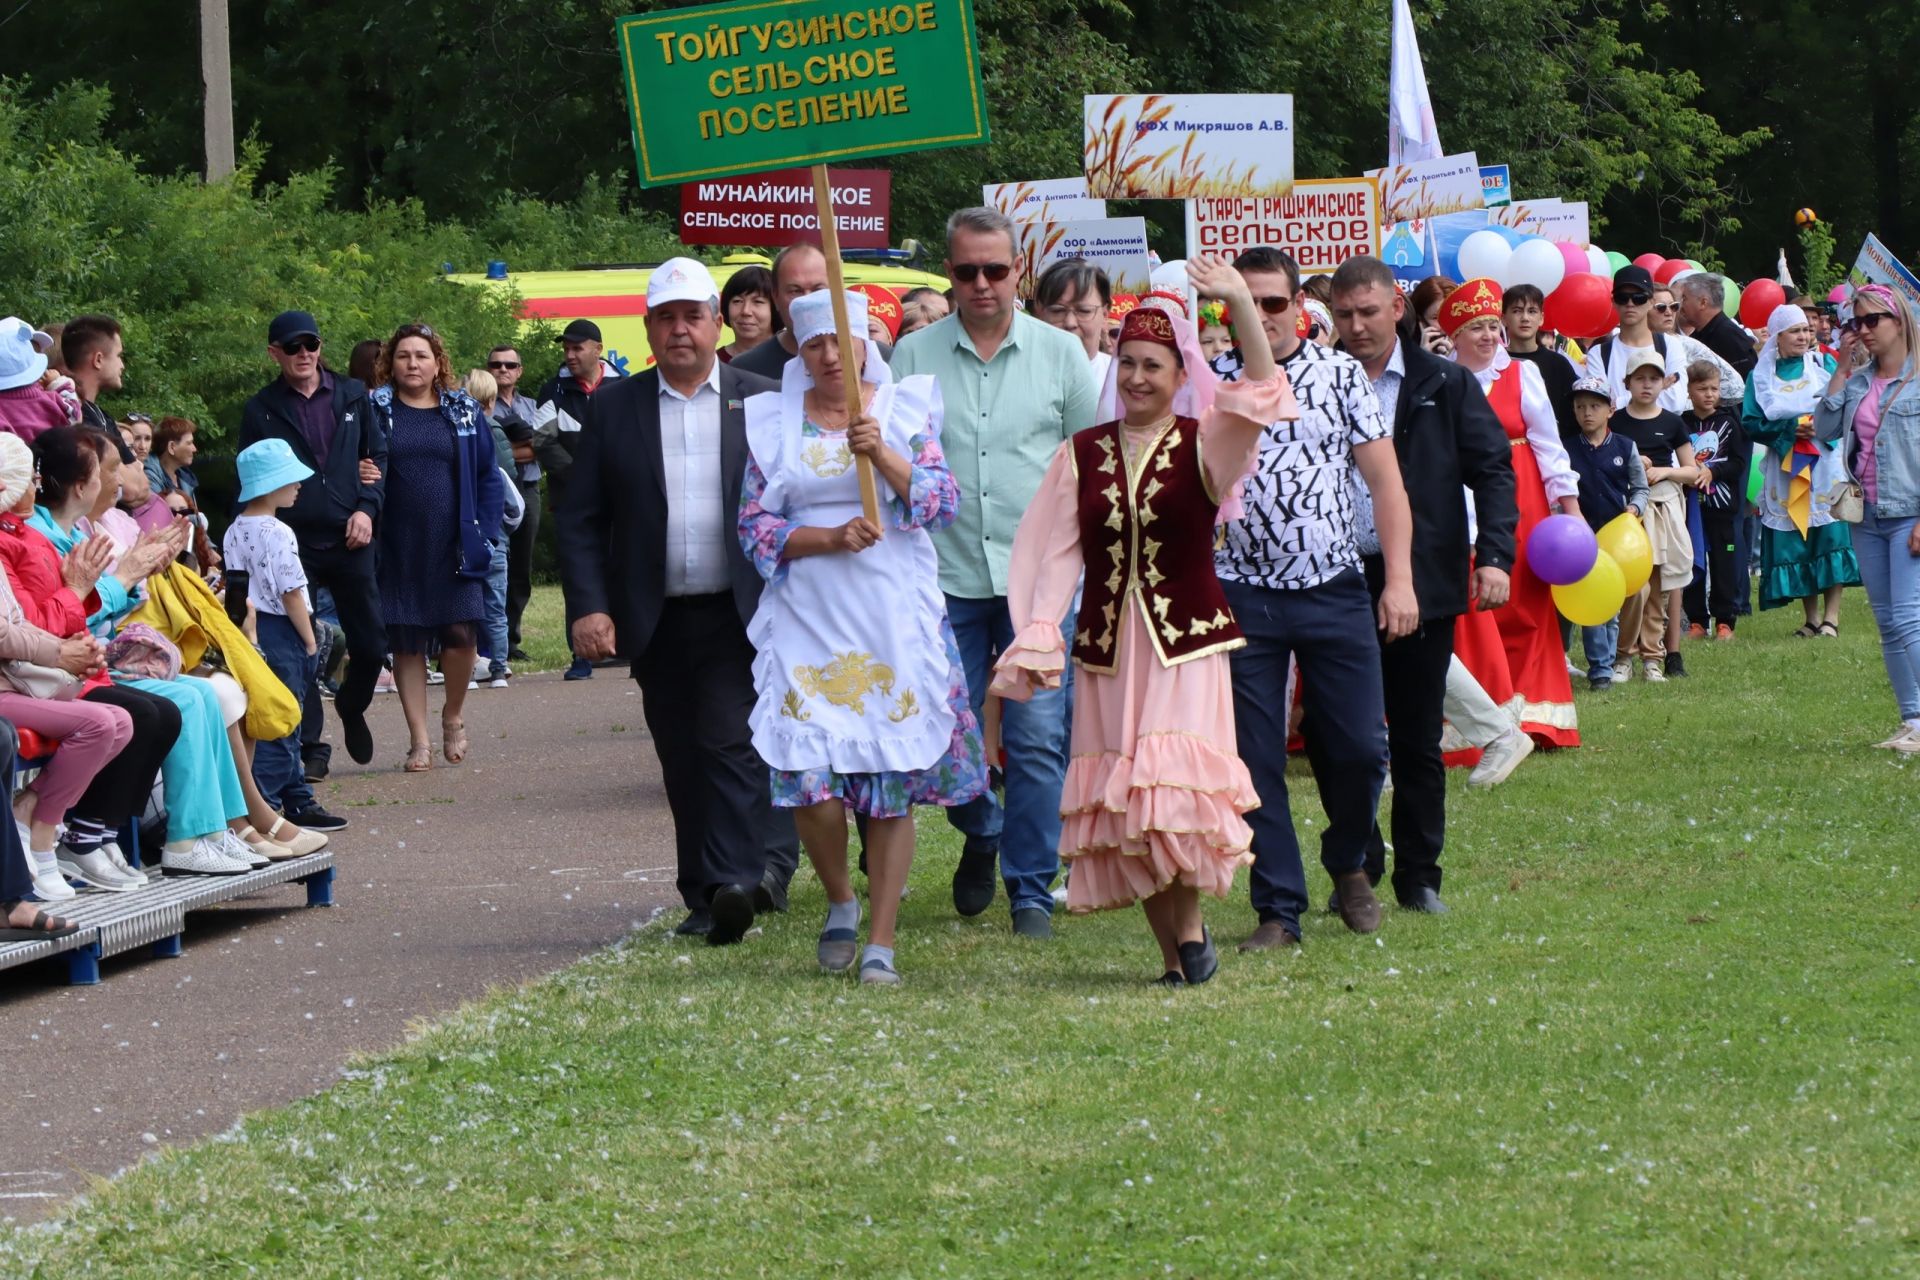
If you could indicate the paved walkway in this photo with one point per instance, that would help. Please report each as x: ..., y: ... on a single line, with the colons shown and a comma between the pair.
x: 551, y: 841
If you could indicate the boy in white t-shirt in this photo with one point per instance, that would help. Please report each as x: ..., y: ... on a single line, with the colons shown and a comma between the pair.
x: 263, y: 548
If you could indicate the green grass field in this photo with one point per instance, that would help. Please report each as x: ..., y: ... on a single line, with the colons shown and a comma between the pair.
x: 1670, y: 1029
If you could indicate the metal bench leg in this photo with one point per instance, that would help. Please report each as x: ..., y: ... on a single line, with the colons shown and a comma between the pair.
x: 319, y: 888
x: 169, y: 948
x: 83, y: 965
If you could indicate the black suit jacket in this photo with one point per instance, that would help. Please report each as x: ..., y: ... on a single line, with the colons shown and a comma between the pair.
x: 1730, y: 342
x: 1448, y: 437
x: 319, y: 515
x: 612, y: 526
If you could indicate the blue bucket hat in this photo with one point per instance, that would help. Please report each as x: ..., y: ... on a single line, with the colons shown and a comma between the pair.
x: 22, y: 353
x: 267, y: 466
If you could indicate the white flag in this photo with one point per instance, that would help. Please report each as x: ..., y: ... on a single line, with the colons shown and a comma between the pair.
x: 1411, y: 133
x: 1786, y: 276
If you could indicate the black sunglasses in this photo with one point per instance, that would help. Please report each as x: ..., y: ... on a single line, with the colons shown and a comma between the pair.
x: 180, y: 511
x: 1629, y: 299
x: 1867, y: 320
x: 296, y: 346
x: 1274, y: 304
x: 968, y: 272
x: 1665, y: 308
x: 503, y: 364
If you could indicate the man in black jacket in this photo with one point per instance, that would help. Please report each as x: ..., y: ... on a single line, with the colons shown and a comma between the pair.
x: 564, y: 408
x: 1448, y: 441
x: 326, y: 420
x: 1703, y: 301
x: 670, y: 446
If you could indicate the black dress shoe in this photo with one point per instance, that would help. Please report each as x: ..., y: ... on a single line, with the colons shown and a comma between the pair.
x: 517, y: 654
x: 314, y: 818
x: 732, y: 911
x: 1171, y: 978
x: 696, y: 925
x: 1199, y: 960
x: 770, y: 895
x: 353, y: 727
x: 1426, y: 900
x: 973, y: 878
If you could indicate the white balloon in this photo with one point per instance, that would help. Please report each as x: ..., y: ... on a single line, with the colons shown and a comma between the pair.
x: 1597, y: 262
x: 1484, y: 254
x: 1538, y: 263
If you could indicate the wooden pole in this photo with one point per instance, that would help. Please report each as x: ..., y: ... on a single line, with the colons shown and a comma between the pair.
x: 830, y: 246
x: 216, y: 80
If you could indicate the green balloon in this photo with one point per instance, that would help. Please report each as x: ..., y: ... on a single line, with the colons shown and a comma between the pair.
x: 1693, y: 264
x: 1617, y: 261
x: 1755, y: 476
x: 1731, y: 292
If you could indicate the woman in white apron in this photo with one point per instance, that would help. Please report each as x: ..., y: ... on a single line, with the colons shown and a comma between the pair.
x: 862, y: 698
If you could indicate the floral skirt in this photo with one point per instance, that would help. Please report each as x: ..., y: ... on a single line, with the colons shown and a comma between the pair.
x: 957, y: 777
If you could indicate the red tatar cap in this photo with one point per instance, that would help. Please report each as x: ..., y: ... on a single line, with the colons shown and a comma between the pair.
x: 1148, y: 324
x: 1471, y: 301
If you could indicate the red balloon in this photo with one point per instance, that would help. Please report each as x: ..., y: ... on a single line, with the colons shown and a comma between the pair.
x: 1651, y: 261
x: 1757, y: 302
x: 1666, y: 271
x: 1582, y: 307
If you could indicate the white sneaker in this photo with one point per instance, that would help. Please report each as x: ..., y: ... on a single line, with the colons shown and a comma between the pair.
x: 204, y: 857
x: 1501, y: 757
x: 501, y: 672
x: 1909, y: 745
x: 436, y: 677
x: 1623, y: 672
x: 1654, y: 672
x: 96, y: 870
x: 50, y: 886
x: 240, y: 851
x: 1893, y: 744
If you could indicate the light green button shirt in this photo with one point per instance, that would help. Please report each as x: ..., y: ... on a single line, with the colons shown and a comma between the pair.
x: 1004, y: 419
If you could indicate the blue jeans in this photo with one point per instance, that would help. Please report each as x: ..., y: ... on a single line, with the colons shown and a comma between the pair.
x: 1892, y: 577
x: 1602, y: 645
x: 493, y: 632
x: 1330, y: 629
x: 1034, y: 733
x: 277, y: 769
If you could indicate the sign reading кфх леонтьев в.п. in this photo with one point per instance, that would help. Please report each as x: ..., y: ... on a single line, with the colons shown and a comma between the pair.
x: 765, y: 84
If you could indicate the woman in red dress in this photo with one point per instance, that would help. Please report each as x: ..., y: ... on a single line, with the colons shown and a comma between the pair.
x: 1529, y: 623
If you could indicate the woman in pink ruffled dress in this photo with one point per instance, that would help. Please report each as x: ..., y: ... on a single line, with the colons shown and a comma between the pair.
x: 1155, y: 793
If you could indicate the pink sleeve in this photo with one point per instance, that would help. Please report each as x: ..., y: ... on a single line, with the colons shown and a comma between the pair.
x: 1041, y: 580
x: 1230, y: 434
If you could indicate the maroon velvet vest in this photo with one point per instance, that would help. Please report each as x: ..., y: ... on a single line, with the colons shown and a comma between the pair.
x: 1148, y: 534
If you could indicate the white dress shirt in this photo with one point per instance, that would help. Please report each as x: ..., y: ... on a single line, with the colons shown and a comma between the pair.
x: 697, y: 523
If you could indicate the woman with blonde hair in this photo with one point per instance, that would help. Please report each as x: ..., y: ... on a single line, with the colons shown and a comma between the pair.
x: 443, y: 512
x: 1872, y: 407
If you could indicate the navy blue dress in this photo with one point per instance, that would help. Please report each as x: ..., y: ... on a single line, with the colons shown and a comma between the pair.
x: 424, y: 601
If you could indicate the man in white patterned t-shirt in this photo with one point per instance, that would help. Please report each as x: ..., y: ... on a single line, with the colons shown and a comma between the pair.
x: 1291, y: 572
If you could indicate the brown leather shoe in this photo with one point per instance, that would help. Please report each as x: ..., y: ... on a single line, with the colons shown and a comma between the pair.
x: 1359, y: 909
x: 1271, y: 936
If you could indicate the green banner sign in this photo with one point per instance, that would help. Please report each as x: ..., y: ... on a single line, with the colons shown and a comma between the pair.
x: 745, y: 87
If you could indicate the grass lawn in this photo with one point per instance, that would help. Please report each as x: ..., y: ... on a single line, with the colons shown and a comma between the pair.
x: 543, y: 630
x: 1670, y: 1029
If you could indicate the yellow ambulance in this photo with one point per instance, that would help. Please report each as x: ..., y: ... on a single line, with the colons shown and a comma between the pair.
x: 615, y: 298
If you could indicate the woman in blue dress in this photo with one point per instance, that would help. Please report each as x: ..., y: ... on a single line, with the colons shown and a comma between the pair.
x: 442, y: 511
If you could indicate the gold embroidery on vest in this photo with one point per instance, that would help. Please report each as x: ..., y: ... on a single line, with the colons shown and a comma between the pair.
x: 1105, y: 642
x: 827, y: 463
x: 1113, y: 580
x: 846, y: 681
x: 1116, y: 518
x: 1165, y: 459
x: 1172, y: 631
x: 1106, y: 448
x: 907, y: 706
x: 1201, y: 626
x: 1150, y: 549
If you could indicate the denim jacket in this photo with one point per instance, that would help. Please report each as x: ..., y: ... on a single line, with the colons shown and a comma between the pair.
x: 480, y: 486
x: 1896, y: 449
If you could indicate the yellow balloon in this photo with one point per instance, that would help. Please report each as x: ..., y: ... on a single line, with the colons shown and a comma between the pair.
x: 1595, y: 598
x: 1625, y: 540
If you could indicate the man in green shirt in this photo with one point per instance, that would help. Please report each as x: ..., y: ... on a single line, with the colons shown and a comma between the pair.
x: 1013, y: 389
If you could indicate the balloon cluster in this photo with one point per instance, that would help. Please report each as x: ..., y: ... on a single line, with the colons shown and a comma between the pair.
x: 1591, y: 574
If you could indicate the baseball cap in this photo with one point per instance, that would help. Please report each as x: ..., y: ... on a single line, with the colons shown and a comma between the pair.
x: 681, y: 280
x: 1593, y: 387
x: 1632, y: 279
x: 1645, y: 358
x: 580, y: 331
x: 289, y: 325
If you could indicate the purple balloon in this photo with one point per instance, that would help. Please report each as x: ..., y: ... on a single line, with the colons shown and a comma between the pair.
x: 1561, y: 550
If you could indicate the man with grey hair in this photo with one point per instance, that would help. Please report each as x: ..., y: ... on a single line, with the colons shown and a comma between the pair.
x: 1702, y: 297
x: 1014, y: 389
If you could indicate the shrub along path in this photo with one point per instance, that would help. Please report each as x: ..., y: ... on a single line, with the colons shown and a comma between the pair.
x: 1668, y: 1030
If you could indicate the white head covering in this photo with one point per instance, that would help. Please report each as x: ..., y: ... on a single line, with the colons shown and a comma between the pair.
x: 16, y: 469
x: 810, y: 315
x: 1778, y: 400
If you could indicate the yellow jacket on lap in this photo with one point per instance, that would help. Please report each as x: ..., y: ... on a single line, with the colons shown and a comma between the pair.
x: 184, y: 609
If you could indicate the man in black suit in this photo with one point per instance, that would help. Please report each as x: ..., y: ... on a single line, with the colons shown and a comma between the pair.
x: 654, y: 570
x: 1448, y: 440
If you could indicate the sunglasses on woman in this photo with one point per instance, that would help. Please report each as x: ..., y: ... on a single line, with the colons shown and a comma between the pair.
x: 1666, y: 308
x: 1866, y: 320
x: 968, y: 272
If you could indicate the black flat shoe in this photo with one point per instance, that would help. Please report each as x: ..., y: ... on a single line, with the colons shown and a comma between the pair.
x: 353, y: 727
x: 770, y: 896
x: 732, y: 915
x: 1198, y: 960
x: 696, y: 925
x: 1424, y: 900
x: 973, y: 879
x: 1171, y: 978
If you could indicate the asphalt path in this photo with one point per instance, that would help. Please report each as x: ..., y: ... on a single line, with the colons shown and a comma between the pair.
x: 550, y: 841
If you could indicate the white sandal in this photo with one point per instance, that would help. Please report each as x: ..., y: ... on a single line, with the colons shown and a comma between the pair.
x: 298, y: 839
